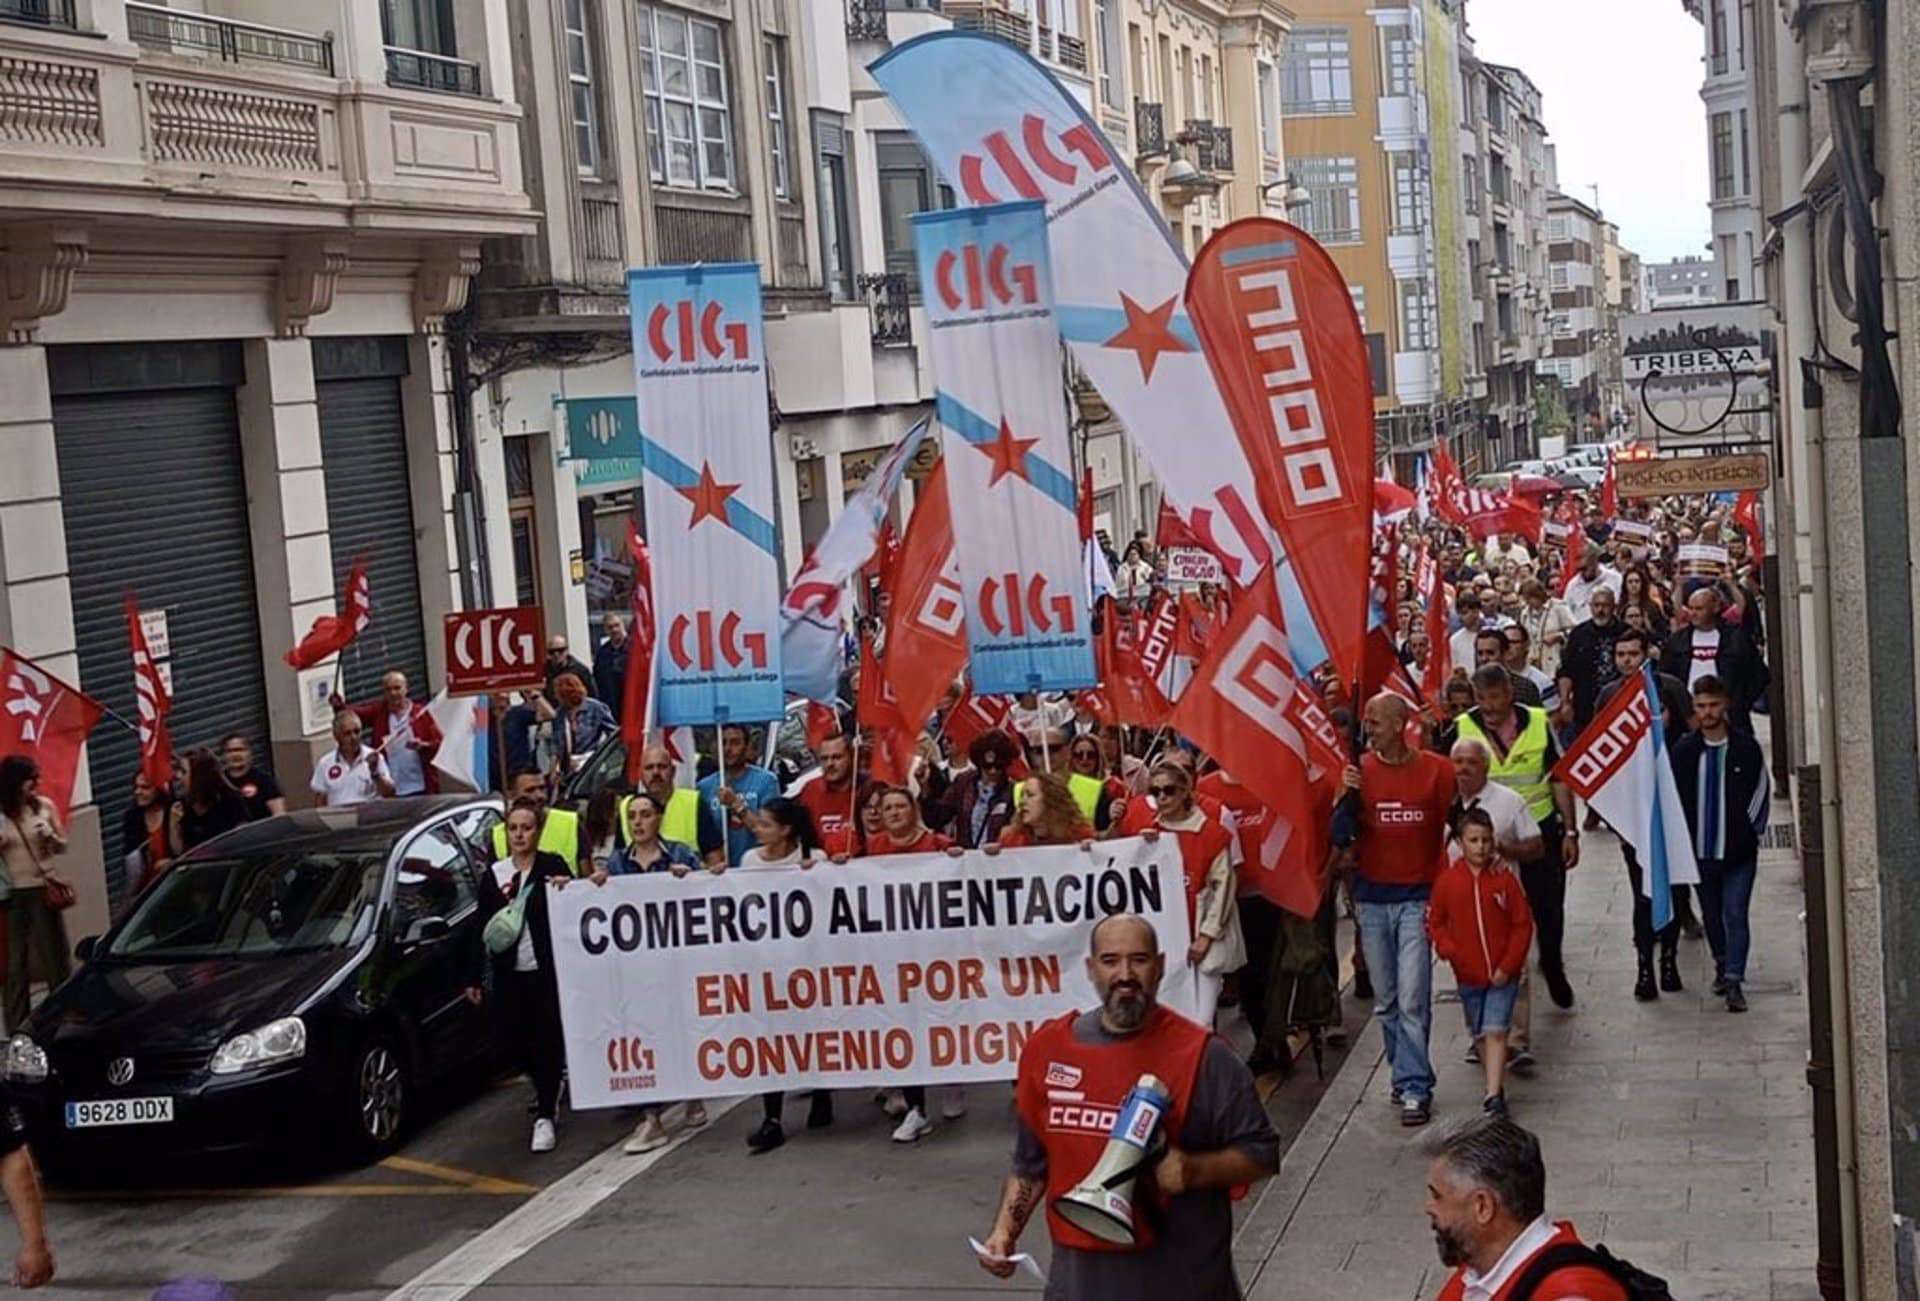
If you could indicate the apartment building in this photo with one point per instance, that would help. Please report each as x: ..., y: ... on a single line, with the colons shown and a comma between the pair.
x: 233, y: 233
x: 1728, y: 91
x: 1681, y: 282
x: 1577, y: 303
x: 1507, y: 252
x: 1621, y: 293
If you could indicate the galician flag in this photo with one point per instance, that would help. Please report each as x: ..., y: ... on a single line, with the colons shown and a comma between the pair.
x: 465, y: 747
x: 1619, y: 766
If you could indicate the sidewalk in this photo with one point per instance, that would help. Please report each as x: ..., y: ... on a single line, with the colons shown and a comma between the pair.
x: 1678, y: 1134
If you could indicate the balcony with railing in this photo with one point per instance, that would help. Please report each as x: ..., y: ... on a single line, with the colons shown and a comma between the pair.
x: 866, y: 20
x: 1149, y: 129
x: 40, y: 13
x: 424, y: 70
x: 889, y: 302
x: 992, y: 18
x: 1212, y: 145
x: 161, y: 30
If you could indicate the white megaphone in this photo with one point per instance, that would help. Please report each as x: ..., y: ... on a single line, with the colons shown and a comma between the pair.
x: 1102, y: 1203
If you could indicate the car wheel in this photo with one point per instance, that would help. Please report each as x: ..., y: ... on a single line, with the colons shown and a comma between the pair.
x: 377, y: 1099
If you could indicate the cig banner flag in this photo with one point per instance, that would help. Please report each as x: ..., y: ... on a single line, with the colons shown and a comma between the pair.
x: 700, y: 387
x: 810, y: 638
x: 995, y: 351
x: 927, y: 968
x: 999, y: 127
x: 1285, y: 345
x: 1619, y: 765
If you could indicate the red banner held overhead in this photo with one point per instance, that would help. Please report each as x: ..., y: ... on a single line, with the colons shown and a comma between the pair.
x: 926, y: 619
x: 1285, y: 346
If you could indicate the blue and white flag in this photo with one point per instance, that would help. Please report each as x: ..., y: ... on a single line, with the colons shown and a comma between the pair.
x: 812, y: 626
x: 700, y: 389
x: 466, y: 750
x: 1619, y: 766
x: 995, y: 352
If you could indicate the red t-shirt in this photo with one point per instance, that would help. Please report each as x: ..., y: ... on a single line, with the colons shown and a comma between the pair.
x: 1403, y: 824
x: 833, y: 815
x: 1574, y: 1283
x: 1141, y: 814
x: 928, y: 842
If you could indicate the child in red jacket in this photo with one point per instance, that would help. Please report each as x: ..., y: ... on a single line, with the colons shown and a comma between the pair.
x: 1481, y: 925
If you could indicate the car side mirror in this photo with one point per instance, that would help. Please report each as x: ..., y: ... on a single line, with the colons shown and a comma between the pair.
x: 426, y: 930
x: 84, y: 949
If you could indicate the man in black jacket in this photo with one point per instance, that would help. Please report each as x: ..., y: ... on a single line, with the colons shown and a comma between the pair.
x: 1713, y: 646
x: 1724, y: 792
x: 1587, y: 663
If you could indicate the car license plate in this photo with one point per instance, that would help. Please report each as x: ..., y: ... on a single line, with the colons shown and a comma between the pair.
x: 119, y: 1111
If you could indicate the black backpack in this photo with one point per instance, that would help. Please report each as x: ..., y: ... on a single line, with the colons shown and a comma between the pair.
x: 1640, y: 1285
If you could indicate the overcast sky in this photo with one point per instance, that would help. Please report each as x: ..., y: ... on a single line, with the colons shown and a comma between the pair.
x: 1620, y: 81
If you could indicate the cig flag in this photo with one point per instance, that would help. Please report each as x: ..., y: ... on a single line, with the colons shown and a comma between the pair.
x: 700, y: 385
x: 1619, y: 766
x: 810, y: 636
x: 996, y: 363
x: 999, y: 127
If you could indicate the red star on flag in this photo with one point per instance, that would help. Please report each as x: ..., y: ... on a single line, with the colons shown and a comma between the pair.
x: 1008, y: 454
x: 709, y: 497
x: 1149, y: 333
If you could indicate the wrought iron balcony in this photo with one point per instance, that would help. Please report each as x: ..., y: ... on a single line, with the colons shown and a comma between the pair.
x: 1073, y: 53
x: 158, y: 28
x: 41, y: 13
x: 424, y: 70
x: 1149, y: 129
x: 888, y: 302
x: 989, y: 18
x: 867, y: 20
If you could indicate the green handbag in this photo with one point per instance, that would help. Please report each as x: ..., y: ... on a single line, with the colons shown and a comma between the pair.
x: 503, y: 929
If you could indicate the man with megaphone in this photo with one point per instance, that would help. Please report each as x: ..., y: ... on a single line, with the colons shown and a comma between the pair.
x: 1136, y: 1125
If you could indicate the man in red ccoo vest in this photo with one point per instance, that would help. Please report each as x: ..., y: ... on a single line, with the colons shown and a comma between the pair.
x: 1075, y: 1074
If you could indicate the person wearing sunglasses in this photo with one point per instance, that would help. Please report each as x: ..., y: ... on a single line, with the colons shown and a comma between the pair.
x: 1206, y: 869
x: 1092, y: 789
x: 978, y: 804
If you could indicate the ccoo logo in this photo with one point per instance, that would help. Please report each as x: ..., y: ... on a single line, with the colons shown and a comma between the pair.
x: 1036, y: 153
x: 985, y: 273
x: 714, y: 644
x: 710, y: 339
x: 1008, y: 606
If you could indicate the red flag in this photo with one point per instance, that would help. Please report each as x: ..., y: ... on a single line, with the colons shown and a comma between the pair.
x: 973, y: 717
x: 1390, y: 500
x: 1284, y: 343
x: 1746, y: 513
x: 1384, y: 574
x: 150, y: 694
x: 926, y: 617
x: 1084, y: 506
x: 331, y: 633
x: 1172, y: 531
x: 636, y: 704
x: 823, y: 724
x: 47, y: 720
x: 1241, y: 707
x: 1448, y: 486
x: 1385, y: 672
x: 1439, y: 651
x: 1485, y: 513
x: 1609, y: 493
x: 1575, y: 551
x: 878, y: 709
x: 1128, y: 690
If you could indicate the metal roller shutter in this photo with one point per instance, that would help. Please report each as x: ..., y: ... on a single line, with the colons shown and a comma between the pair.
x: 363, y: 444
x: 155, y: 503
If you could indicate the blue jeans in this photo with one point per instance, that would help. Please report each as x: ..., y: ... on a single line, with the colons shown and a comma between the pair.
x: 1400, y: 961
x: 1725, y: 891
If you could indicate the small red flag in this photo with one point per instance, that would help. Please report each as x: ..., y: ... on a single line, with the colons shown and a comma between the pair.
x: 333, y: 633
x: 47, y: 720
x: 150, y: 694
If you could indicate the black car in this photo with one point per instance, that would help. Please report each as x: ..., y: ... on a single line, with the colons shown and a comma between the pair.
x: 301, y: 978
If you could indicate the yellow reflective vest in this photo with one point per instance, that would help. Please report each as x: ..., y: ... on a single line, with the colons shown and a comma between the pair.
x: 681, y: 821
x: 1523, y: 769
x: 559, y: 834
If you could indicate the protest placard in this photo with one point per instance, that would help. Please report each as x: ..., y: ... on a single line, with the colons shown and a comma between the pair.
x: 1701, y: 559
x: 1192, y: 565
x: 923, y: 968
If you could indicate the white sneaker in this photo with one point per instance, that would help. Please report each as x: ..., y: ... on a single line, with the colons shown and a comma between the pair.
x: 543, y: 1136
x: 648, y: 1135
x: 954, y: 1105
x: 894, y: 1104
x: 914, y: 1128
x: 696, y: 1115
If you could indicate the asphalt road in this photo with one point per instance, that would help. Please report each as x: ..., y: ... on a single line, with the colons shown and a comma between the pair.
x: 840, y: 1212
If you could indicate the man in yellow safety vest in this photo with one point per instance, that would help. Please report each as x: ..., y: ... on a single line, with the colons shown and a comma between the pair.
x: 688, y: 819
x: 559, y: 828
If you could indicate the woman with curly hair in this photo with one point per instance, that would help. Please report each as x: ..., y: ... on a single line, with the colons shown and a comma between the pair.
x: 1048, y: 815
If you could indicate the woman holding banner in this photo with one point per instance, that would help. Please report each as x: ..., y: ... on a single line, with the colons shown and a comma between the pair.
x: 645, y: 851
x: 784, y: 830
x: 1048, y: 815
x: 513, y: 898
x: 902, y: 831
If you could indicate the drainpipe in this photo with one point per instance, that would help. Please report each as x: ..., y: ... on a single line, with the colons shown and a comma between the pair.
x: 1830, y: 1056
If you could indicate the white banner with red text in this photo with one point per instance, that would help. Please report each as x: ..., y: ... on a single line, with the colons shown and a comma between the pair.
x: 920, y: 969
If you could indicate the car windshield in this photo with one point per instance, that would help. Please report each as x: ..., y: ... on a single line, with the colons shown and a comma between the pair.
x: 259, y: 906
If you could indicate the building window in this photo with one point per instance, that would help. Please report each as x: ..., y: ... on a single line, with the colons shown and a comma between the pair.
x: 1317, y: 76
x: 836, y: 204
x: 1556, y: 229
x: 1359, y: 295
x: 683, y: 79
x: 1557, y: 277
x: 1268, y: 86
x: 1397, y: 59
x: 1187, y: 98
x: 424, y: 25
x: 1717, y: 36
x: 1745, y: 181
x: 1106, y: 33
x: 1407, y: 207
x: 1470, y: 189
x: 1333, y: 216
x: 1416, y: 317
x: 586, y: 103
x: 1206, y: 87
x: 779, y: 147
x: 908, y: 185
x: 1722, y: 130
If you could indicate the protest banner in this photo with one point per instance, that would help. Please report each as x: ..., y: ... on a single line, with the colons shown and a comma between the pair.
x: 1700, y: 559
x: 918, y: 969
x: 1192, y: 565
x: 1633, y: 528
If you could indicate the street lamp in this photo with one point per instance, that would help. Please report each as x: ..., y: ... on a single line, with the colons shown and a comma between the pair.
x: 1297, y: 196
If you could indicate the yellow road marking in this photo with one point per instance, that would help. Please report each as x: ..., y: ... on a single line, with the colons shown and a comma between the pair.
x: 478, y: 1183
x: 449, y: 1182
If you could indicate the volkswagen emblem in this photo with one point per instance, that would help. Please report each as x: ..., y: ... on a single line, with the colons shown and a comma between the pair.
x: 120, y: 1071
